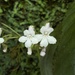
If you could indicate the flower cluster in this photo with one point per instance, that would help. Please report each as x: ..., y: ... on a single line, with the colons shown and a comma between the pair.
x: 30, y: 38
x: 44, y: 38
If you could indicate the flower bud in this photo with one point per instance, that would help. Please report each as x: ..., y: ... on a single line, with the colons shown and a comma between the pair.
x: 43, y: 52
x: 29, y: 51
x: 5, y: 50
x: 0, y: 31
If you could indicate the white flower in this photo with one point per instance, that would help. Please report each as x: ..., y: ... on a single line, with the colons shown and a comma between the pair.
x: 1, y: 39
x: 29, y: 39
x: 45, y: 38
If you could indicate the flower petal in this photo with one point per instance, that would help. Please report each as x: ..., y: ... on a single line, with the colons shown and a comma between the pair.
x: 34, y: 40
x: 26, y: 32
x: 22, y: 39
x: 42, y: 30
x: 28, y: 43
x: 44, y: 42
x: 47, y: 25
x: 32, y: 33
x: 39, y: 37
x: 49, y: 30
x: 1, y: 40
x: 31, y: 30
x: 51, y: 40
x: 29, y: 52
x: 46, y: 28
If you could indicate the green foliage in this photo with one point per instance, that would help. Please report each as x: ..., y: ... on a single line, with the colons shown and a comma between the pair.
x: 60, y: 58
x: 15, y: 17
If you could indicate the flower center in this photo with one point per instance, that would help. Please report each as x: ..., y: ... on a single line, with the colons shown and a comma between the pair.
x: 45, y: 33
x: 29, y: 36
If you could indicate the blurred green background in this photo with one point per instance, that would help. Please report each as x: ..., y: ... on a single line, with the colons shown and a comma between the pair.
x: 15, y: 17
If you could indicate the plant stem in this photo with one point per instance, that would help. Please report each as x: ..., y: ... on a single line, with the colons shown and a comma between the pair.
x: 10, y: 29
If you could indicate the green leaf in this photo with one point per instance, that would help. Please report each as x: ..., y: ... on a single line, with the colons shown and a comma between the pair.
x: 60, y: 58
x: 1, y: 10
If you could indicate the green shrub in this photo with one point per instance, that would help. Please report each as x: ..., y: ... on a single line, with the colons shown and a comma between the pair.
x: 15, y: 17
